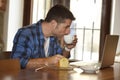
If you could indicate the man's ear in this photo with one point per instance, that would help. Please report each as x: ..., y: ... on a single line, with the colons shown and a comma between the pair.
x: 54, y: 23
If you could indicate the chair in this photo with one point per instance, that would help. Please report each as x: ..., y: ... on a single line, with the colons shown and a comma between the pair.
x: 9, y: 65
x: 5, y: 55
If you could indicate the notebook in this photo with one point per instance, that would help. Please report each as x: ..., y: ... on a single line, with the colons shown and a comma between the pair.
x: 109, y: 51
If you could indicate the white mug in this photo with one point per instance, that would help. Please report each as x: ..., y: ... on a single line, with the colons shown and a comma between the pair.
x: 68, y: 39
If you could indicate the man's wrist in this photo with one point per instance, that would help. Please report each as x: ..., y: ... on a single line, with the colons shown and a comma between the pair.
x: 67, y: 49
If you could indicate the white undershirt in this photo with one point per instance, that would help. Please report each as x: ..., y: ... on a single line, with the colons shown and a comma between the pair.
x: 46, y: 46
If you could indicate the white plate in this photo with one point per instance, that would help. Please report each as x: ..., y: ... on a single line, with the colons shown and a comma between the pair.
x: 87, y: 66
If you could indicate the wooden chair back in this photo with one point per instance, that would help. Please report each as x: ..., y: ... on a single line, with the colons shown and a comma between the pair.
x: 8, y: 65
x: 5, y: 55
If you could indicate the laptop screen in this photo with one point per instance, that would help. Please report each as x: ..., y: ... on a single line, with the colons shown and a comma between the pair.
x: 109, y: 50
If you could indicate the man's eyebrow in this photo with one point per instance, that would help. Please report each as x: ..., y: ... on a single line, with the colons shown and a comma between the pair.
x: 68, y: 26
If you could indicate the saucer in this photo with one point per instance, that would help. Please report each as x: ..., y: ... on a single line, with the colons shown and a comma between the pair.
x: 90, y: 68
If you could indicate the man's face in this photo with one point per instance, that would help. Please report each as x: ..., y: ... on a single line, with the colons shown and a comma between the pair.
x: 62, y: 29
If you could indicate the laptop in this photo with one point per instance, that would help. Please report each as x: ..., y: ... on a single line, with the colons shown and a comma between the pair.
x: 109, y: 51
x: 108, y: 56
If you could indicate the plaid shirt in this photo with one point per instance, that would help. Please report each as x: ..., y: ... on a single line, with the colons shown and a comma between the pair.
x: 29, y: 43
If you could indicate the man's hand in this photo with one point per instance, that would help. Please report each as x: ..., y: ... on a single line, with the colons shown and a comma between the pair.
x: 54, y: 59
x: 70, y: 46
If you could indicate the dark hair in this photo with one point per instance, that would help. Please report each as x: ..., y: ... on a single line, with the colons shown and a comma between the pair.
x: 59, y: 13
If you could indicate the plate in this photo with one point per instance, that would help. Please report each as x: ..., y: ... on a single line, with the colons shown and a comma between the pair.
x: 62, y: 68
x: 73, y: 60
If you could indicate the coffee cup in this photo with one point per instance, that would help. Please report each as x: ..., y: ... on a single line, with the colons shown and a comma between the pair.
x: 68, y: 39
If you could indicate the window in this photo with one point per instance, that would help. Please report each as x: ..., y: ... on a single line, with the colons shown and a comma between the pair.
x: 88, y: 19
x: 40, y: 8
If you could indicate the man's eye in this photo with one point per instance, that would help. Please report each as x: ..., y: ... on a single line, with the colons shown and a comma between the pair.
x: 67, y: 27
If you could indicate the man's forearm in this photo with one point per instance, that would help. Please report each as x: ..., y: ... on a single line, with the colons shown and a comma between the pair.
x: 35, y: 63
x: 38, y: 62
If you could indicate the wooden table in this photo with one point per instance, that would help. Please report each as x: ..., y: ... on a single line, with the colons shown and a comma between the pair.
x: 111, y: 73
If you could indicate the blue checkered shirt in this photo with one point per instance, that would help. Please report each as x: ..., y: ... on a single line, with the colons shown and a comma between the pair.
x: 29, y: 43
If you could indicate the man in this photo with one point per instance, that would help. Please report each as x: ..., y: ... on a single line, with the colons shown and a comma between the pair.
x: 41, y: 43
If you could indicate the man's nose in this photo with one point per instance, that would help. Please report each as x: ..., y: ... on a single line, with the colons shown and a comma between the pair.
x: 67, y: 32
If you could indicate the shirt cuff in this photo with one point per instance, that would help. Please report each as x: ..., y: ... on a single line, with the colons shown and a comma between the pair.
x: 67, y: 49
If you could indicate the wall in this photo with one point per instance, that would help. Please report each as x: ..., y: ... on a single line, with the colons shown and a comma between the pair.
x: 115, y: 24
x: 12, y: 21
